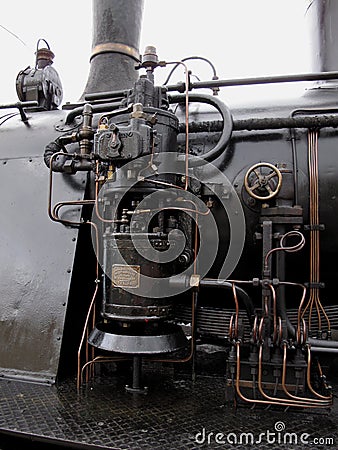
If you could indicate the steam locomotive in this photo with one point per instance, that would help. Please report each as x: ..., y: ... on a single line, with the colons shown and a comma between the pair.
x: 138, y: 230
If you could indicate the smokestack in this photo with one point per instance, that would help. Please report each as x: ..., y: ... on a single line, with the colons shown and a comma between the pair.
x: 323, y: 20
x: 115, y: 48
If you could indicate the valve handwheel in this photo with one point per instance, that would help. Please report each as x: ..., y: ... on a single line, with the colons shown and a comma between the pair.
x: 263, y: 181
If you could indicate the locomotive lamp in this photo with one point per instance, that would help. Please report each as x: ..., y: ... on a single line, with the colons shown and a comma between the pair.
x: 42, y: 83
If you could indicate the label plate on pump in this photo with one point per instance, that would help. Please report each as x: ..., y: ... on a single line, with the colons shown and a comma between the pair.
x: 125, y: 276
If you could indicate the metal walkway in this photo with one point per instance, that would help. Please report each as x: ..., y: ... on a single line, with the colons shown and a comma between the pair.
x: 175, y: 414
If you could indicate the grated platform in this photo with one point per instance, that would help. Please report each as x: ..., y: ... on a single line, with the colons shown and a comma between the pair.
x: 170, y: 416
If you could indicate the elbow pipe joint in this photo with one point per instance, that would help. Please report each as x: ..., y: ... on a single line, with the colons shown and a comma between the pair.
x: 242, y: 295
x: 50, y: 150
x: 222, y: 144
x: 194, y: 282
x: 67, y: 163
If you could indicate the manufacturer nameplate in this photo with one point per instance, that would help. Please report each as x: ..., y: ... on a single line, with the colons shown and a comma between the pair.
x: 125, y: 276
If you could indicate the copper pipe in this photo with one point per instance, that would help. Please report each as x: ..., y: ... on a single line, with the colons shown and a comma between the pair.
x: 294, y: 397
x: 93, y: 225
x: 308, y: 378
x: 312, y: 221
x: 314, y: 299
x: 50, y: 192
x: 231, y: 326
x: 59, y: 205
x: 92, y: 351
x: 254, y: 330
x: 151, y: 159
x: 304, y: 332
x: 237, y: 309
x: 274, y: 302
x: 53, y: 215
x: 196, y: 240
x: 87, y: 353
x: 299, y: 315
x: 188, y: 358
x: 316, y: 221
x: 92, y: 303
x: 186, y: 184
x: 91, y: 374
x: 303, y: 403
x: 50, y: 189
x: 101, y: 359
x: 321, y: 374
x: 280, y: 330
x: 144, y: 211
x: 324, y: 314
x: 97, y: 194
x: 266, y: 307
x: 250, y: 400
x: 162, y: 183
x: 195, y: 233
x: 83, y: 337
x: 260, y: 329
x: 289, y: 249
x: 96, y: 198
x: 53, y: 212
x: 240, y: 281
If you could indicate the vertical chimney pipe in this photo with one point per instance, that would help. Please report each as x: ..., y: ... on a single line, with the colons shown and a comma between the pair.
x: 323, y: 20
x: 115, y: 45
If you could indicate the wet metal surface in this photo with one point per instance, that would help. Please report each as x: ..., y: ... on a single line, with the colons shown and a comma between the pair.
x: 170, y: 416
x: 36, y: 254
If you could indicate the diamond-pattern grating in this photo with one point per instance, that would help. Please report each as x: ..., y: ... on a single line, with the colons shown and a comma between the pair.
x: 168, y: 417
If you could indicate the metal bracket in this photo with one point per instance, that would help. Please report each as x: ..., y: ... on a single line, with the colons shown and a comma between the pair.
x: 314, y: 285
x: 115, y: 47
x: 316, y: 227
